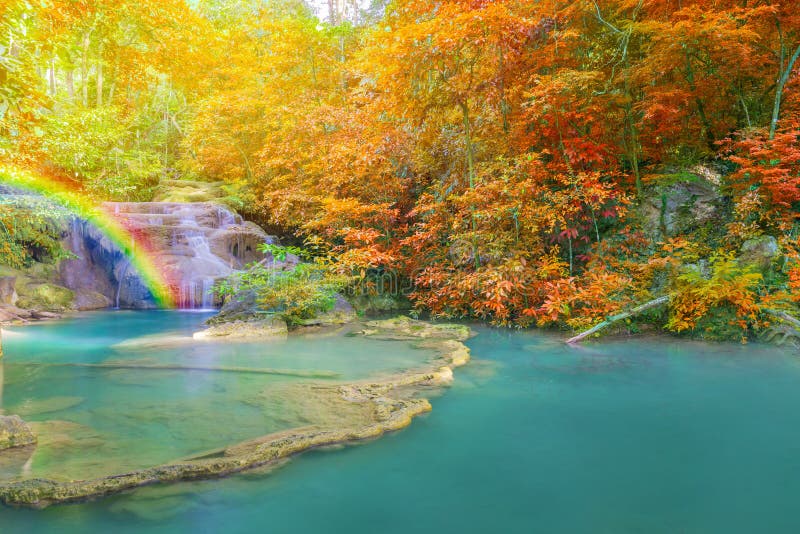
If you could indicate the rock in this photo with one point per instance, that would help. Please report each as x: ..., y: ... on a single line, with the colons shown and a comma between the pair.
x: 270, y: 327
x: 46, y: 296
x: 38, y: 314
x: 341, y: 313
x: 406, y: 328
x: 194, y: 244
x: 14, y: 432
x: 153, y: 342
x: 241, y: 306
x: 8, y: 291
x: 92, y: 266
x: 380, y: 305
x: 86, y: 299
x: 681, y: 203
x: 43, y: 271
x: 759, y: 253
x: 10, y: 314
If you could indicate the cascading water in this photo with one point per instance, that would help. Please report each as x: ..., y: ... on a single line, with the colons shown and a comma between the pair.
x: 120, y: 280
x: 195, y: 243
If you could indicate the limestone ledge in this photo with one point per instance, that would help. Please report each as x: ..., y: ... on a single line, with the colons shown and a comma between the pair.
x: 271, y: 327
x: 392, y: 401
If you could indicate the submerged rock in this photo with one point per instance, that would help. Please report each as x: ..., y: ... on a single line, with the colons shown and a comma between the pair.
x: 14, y: 432
x: 56, y: 435
x: 16, y: 462
x: 48, y: 405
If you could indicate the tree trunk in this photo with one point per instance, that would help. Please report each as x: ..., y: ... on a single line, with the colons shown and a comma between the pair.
x: 783, y: 78
x: 85, y: 71
x: 784, y: 316
x: 100, y: 77
x: 471, y: 174
x: 70, y: 82
x: 52, y: 73
x: 503, y: 102
x: 701, y: 110
x: 619, y: 317
x: 332, y: 12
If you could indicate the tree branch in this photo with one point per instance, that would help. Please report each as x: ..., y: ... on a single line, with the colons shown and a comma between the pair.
x: 619, y: 317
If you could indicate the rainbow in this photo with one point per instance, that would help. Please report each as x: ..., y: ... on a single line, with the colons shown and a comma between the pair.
x: 135, y: 248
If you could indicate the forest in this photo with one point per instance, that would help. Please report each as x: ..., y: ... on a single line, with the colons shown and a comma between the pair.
x: 524, y: 163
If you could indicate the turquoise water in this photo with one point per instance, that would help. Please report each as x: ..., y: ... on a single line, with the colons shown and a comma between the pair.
x: 94, y: 421
x: 649, y: 435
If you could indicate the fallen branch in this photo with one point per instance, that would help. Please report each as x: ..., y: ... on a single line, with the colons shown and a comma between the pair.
x: 784, y: 316
x: 619, y: 317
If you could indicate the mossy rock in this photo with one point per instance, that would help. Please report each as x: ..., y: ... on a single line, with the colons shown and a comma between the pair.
x: 46, y: 297
x: 22, y: 277
x: 14, y: 432
x: 267, y: 327
x: 683, y: 202
x: 43, y: 271
x: 32, y: 407
x: 380, y: 304
x: 403, y: 327
x: 759, y: 253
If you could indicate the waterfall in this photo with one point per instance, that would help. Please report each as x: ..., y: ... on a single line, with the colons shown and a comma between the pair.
x: 195, y: 244
x: 120, y: 281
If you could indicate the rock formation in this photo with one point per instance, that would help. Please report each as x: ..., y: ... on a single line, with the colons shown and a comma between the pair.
x: 14, y: 432
x: 194, y: 244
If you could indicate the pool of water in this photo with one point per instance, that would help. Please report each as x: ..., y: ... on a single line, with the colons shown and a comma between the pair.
x: 650, y: 435
x: 117, y: 391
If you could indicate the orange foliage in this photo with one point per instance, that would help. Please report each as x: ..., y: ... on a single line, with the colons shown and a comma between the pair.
x: 488, y: 152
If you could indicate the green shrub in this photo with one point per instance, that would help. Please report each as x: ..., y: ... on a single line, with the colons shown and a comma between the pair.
x: 30, y: 230
x: 296, y: 294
